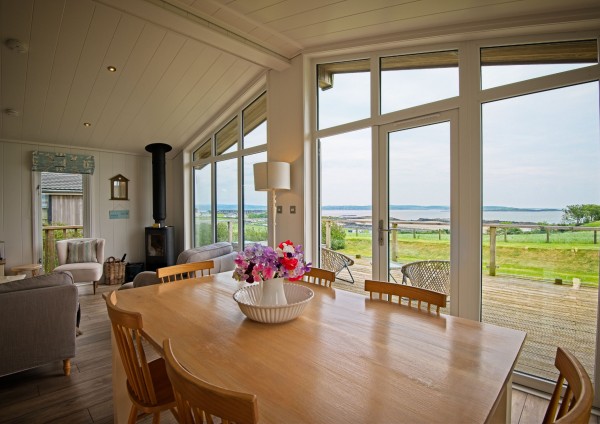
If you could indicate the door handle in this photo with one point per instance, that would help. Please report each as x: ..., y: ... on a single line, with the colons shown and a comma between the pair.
x: 382, y: 230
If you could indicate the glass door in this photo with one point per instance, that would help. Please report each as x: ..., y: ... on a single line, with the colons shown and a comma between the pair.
x: 414, y: 215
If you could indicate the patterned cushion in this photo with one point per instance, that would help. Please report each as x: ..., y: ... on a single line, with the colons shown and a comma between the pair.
x: 81, y: 251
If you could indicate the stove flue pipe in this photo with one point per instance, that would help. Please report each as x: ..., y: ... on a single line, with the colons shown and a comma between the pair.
x: 159, y: 188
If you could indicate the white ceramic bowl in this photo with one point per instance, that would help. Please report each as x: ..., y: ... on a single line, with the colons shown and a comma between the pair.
x: 297, y: 296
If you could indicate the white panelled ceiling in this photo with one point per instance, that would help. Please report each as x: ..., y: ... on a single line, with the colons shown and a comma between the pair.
x: 179, y: 63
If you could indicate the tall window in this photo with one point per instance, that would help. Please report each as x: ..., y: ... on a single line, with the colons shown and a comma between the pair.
x: 226, y: 206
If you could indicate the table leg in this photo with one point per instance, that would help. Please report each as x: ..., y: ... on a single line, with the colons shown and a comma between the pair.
x: 502, y: 413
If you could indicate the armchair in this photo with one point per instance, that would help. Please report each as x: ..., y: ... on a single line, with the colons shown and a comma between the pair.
x: 83, y: 258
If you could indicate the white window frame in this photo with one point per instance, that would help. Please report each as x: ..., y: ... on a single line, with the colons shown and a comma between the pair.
x: 466, y: 184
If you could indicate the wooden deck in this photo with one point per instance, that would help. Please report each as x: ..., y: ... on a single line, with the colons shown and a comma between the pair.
x: 552, y: 315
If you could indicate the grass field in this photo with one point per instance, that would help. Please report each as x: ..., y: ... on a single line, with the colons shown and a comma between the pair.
x: 568, y: 255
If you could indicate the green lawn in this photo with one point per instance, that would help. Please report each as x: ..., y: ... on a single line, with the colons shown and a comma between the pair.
x: 568, y: 255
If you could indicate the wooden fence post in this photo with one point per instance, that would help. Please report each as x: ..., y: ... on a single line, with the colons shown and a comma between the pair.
x: 547, y: 235
x: 230, y: 231
x: 492, y: 251
x: 394, y: 241
x: 328, y: 234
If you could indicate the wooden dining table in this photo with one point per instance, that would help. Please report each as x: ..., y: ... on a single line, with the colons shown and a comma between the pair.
x: 346, y: 359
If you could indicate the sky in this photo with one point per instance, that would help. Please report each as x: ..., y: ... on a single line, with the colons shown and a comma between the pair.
x: 539, y: 151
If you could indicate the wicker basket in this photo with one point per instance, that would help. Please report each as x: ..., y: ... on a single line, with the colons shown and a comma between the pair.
x: 114, y: 271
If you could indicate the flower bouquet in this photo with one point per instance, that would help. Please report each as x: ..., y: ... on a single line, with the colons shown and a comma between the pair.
x: 268, y: 266
x: 257, y: 263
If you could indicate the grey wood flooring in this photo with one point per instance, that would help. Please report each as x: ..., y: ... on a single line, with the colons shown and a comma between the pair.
x: 45, y: 395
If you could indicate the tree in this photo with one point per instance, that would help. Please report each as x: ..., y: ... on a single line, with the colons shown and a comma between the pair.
x: 581, y: 214
x: 338, y: 235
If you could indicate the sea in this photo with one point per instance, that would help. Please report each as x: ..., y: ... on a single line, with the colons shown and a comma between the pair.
x: 524, y: 216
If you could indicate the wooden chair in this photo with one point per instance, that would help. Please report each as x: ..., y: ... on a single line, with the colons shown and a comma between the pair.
x: 430, y: 275
x: 337, y: 262
x: 148, y: 385
x: 409, y: 292
x: 184, y: 271
x: 320, y: 277
x: 199, y: 401
x: 579, y: 393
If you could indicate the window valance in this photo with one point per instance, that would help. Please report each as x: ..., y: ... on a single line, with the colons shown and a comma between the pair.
x: 63, y: 162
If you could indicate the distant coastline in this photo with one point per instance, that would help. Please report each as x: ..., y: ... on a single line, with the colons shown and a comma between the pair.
x: 231, y: 207
x: 439, y: 208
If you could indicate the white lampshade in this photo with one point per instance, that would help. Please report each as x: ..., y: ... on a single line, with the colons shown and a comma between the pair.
x: 271, y: 176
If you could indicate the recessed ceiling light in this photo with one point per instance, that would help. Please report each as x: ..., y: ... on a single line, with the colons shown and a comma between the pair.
x: 87, y: 124
x: 111, y: 69
x: 16, y: 45
x: 12, y: 112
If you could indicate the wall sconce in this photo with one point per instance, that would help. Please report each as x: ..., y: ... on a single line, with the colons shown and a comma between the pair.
x: 272, y: 176
x: 118, y: 188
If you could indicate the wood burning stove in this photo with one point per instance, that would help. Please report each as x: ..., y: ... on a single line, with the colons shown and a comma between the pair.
x: 159, y: 239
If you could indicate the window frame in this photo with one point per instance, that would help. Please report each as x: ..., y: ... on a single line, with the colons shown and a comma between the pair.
x: 238, y: 154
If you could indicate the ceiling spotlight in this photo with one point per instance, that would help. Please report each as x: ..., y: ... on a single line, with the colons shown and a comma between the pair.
x: 16, y: 45
x: 87, y: 124
x: 111, y: 69
x: 12, y: 112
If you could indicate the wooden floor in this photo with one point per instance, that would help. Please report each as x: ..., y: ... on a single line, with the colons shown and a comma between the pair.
x: 45, y: 395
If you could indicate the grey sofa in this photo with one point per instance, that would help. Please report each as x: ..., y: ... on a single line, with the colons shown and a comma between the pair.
x: 220, y: 253
x: 37, y: 322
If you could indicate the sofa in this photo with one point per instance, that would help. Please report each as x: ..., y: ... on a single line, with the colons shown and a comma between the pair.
x: 220, y: 253
x: 37, y: 322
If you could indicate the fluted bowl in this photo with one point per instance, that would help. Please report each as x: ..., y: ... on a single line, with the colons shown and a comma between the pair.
x: 248, y: 298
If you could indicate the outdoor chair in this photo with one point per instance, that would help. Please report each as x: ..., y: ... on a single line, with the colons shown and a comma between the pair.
x: 406, y: 292
x: 318, y: 276
x: 199, y: 401
x: 148, y: 384
x: 184, y: 271
x: 336, y: 262
x: 579, y: 393
x: 430, y: 275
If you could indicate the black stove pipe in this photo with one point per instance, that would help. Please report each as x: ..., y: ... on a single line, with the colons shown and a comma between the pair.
x: 159, y: 188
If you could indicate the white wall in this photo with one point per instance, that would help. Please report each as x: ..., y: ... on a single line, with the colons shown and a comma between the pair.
x: 122, y: 235
x: 286, y: 143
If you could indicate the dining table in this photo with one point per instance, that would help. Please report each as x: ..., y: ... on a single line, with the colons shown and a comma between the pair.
x: 345, y: 359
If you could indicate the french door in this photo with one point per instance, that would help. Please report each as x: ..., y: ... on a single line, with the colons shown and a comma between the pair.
x: 413, y: 193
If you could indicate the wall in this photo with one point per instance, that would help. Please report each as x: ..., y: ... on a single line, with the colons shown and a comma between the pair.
x: 286, y: 143
x: 122, y: 235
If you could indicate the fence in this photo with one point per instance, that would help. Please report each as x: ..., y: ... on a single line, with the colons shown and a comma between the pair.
x: 440, y: 228
x: 50, y: 234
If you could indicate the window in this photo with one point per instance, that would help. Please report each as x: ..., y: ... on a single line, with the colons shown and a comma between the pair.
x: 344, y: 83
x: 517, y: 183
x: 508, y: 64
x: 416, y: 79
x: 226, y: 206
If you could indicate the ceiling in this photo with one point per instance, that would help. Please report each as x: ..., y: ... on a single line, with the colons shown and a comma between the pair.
x: 179, y: 63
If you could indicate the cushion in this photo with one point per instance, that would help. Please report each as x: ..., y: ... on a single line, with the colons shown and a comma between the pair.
x: 40, y: 281
x: 81, y: 251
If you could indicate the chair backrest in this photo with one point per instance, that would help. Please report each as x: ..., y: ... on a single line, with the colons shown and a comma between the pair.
x: 184, y: 271
x: 579, y: 394
x: 408, y: 292
x: 321, y: 277
x: 196, y: 399
x: 62, y: 249
x: 127, y: 331
x: 430, y: 275
x: 334, y: 261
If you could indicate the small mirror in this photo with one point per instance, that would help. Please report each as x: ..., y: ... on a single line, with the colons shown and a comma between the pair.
x: 118, y: 188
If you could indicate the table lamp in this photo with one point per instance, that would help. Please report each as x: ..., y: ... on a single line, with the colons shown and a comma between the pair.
x: 272, y: 176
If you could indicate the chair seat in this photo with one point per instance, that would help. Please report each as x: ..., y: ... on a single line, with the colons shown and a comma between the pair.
x: 162, y: 388
x: 86, y: 271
